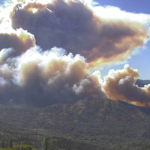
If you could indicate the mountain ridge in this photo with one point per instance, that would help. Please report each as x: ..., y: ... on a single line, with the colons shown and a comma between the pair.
x: 141, y: 82
x: 95, y: 122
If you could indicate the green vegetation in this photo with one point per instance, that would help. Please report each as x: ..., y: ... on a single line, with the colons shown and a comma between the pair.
x: 50, y: 144
x: 10, y: 146
x: 65, y: 144
x: 93, y: 125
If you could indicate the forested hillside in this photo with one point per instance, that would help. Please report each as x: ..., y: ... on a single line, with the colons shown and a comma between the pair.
x: 141, y: 83
x: 104, y: 123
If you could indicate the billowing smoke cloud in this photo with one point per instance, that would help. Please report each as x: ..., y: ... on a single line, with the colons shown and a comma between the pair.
x: 120, y: 85
x: 33, y: 71
x: 80, y: 28
x: 20, y: 40
x: 48, y: 77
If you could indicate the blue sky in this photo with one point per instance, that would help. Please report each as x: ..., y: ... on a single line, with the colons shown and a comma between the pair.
x: 141, y: 60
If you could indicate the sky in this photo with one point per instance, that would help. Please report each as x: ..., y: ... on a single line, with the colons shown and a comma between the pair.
x: 141, y: 60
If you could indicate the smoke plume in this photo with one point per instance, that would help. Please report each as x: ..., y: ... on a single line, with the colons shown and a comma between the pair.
x: 47, y: 49
x: 82, y: 29
x: 20, y: 40
x: 43, y: 78
x: 120, y: 85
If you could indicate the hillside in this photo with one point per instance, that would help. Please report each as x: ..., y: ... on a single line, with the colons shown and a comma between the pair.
x: 97, y: 122
x: 141, y: 83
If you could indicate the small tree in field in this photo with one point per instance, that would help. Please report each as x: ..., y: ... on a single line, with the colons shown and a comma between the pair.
x: 10, y: 144
x: 45, y: 144
x: 2, y: 144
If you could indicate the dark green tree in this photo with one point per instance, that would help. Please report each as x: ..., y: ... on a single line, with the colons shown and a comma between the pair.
x: 2, y: 144
x: 45, y: 144
x: 22, y: 147
x: 10, y: 143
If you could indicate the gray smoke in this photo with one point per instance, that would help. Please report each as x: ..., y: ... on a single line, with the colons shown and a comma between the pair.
x: 34, y: 71
x: 82, y: 29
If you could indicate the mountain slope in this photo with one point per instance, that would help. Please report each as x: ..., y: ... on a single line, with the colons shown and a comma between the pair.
x: 141, y: 83
x: 96, y: 122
